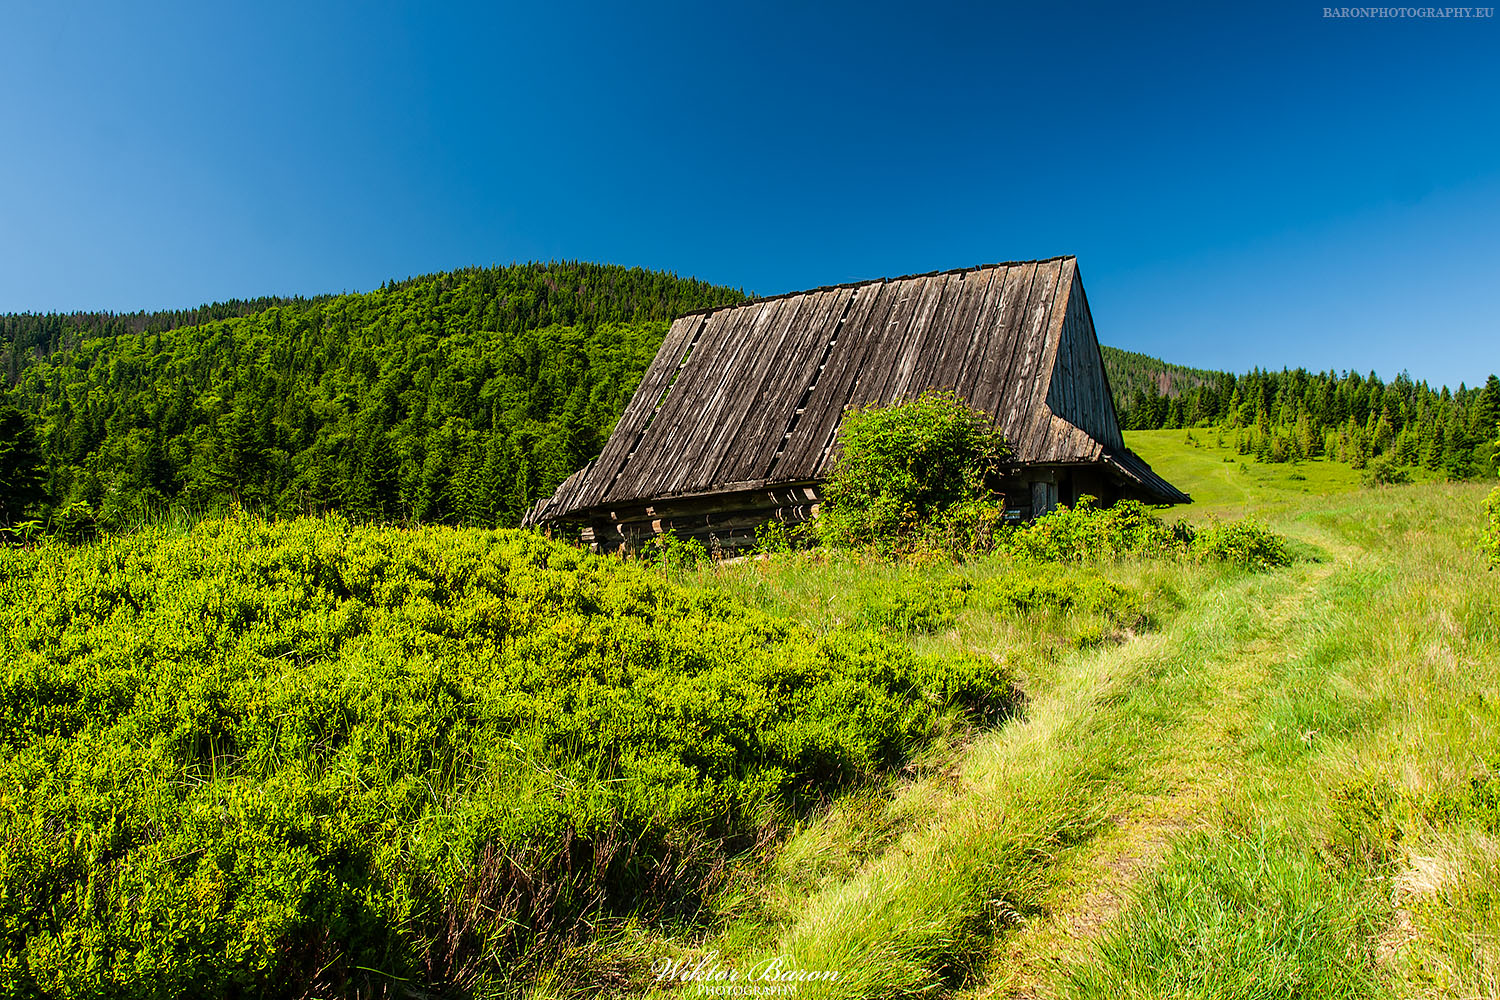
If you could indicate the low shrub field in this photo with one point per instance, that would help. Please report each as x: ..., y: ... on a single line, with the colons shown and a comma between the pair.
x: 1129, y: 528
x: 309, y: 758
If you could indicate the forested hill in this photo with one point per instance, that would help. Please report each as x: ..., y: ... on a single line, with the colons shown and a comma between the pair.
x: 37, y: 335
x: 1130, y: 371
x: 451, y: 397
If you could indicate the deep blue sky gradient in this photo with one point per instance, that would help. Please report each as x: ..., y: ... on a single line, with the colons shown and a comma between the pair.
x: 1244, y: 184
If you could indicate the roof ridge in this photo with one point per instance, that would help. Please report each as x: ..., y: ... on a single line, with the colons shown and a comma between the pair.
x: 757, y: 300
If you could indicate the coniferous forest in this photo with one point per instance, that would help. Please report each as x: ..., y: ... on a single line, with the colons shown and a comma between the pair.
x: 449, y: 398
x: 1130, y: 371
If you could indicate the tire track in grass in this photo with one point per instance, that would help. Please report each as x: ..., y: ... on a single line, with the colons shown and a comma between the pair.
x: 1090, y: 895
x: 1230, y: 777
x: 987, y: 860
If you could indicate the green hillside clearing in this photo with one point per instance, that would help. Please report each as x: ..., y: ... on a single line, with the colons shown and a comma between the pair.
x: 1227, y: 484
x: 305, y: 757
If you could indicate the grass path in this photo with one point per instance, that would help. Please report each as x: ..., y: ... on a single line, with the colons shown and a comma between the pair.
x: 1207, y: 766
x: 1344, y: 833
x: 1232, y: 806
x: 1002, y: 854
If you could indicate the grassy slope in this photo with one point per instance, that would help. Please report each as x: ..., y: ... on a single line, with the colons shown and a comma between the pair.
x: 1224, y: 483
x: 1229, y: 484
x: 1291, y: 787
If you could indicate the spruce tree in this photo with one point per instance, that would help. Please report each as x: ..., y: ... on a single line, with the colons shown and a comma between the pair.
x: 20, y: 465
x: 1435, y: 448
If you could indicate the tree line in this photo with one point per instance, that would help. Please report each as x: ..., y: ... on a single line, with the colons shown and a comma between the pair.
x: 1296, y: 415
x: 451, y: 398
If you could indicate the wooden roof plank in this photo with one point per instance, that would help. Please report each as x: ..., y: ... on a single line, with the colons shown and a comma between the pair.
x: 764, y: 375
x: 918, y: 339
x: 816, y: 368
x: 1065, y: 371
x: 872, y: 380
x: 1025, y: 371
x: 931, y: 349
x: 985, y: 330
x: 818, y: 446
x: 858, y: 338
x: 808, y: 345
x: 644, y: 401
x: 880, y: 367
x: 732, y: 393
x: 672, y: 384
x: 993, y: 378
x: 639, y: 412
x: 884, y: 340
x: 676, y: 409
x: 1079, y: 389
x: 1047, y: 334
x: 947, y: 367
x: 672, y: 466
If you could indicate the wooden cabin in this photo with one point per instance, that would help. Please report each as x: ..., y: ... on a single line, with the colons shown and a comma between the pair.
x: 736, y: 421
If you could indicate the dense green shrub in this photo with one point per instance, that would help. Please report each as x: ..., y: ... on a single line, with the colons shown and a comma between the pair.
x: 981, y: 684
x: 674, y: 555
x: 1245, y: 543
x: 921, y: 607
x: 1087, y: 531
x: 969, y: 526
x: 1490, y: 537
x: 903, y: 466
x: 779, y: 536
x: 1054, y: 588
x: 305, y: 758
x: 1129, y: 528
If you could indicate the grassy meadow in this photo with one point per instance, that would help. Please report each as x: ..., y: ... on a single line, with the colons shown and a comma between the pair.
x: 310, y: 759
x: 1256, y: 785
x: 1225, y: 483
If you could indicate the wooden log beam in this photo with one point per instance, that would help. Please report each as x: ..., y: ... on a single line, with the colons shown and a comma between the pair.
x: 779, y: 496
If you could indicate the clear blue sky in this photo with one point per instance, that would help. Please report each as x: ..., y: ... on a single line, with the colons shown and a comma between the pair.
x: 1244, y: 184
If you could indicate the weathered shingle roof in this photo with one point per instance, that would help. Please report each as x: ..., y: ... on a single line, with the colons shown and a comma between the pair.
x: 752, y: 395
